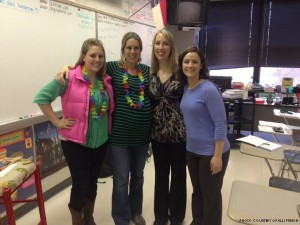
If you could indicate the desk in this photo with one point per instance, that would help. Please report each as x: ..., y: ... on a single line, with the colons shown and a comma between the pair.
x: 266, y: 112
x: 268, y: 127
x: 287, y: 117
x: 276, y: 155
x: 261, y: 205
x: 291, y: 115
x: 13, y: 177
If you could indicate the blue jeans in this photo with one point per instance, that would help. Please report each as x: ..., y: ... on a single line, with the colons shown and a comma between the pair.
x: 127, y: 161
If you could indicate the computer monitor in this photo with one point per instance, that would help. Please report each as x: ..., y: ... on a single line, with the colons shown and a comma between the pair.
x: 223, y: 82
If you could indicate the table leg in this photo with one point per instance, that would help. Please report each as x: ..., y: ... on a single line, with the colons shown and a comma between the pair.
x: 9, y: 207
x: 270, y: 167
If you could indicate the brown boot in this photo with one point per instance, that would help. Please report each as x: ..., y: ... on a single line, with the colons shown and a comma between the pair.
x: 76, y: 217
x: 88, y: 211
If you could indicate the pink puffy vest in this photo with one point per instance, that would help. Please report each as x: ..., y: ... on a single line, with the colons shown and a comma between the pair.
x: 75, y: 104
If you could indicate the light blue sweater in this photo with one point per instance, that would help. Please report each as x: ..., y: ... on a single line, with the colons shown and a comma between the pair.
x: 205, y: 118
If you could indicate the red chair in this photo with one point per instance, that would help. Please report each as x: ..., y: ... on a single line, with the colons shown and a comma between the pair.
x: 18, y: 175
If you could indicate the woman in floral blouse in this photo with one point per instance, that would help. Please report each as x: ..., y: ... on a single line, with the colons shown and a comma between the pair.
x: 168, y: 132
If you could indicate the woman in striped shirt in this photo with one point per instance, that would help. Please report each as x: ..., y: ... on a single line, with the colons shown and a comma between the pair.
x: 130, y: 136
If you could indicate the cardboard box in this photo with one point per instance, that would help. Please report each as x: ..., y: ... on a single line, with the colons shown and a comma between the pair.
x: 286, y: 82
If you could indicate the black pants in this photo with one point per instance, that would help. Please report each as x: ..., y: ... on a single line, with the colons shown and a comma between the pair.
x: 206, y: 197
x: 84, y: 165
x: 169, y: 196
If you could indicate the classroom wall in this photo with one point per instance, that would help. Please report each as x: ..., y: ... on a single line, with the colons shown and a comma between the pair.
x: 37, y: 38
x: 125, y: 8
x: 183, y: 39
x: 44, y: 35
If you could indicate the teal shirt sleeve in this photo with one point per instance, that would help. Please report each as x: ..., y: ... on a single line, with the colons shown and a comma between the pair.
x: 50, y: 92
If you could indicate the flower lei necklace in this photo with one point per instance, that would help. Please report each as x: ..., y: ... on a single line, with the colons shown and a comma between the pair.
x: 139, y: 73
x: 104, y: 105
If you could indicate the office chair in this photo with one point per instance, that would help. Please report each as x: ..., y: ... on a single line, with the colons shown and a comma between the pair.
x: 296, y: 137
x: 284, y: 183
x: 292, y: 157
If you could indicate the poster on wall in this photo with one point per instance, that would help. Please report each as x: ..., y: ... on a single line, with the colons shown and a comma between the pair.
x: 48, y: 150
x: 18, y: 143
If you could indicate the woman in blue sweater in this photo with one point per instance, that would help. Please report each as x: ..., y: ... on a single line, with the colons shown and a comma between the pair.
x: 207, y: 144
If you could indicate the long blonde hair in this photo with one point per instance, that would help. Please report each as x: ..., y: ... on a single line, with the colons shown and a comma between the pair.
x: 87, y: 44
x: 173, y: 66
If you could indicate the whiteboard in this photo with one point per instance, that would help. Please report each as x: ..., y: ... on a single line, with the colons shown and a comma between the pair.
x: 111, y: 30
x: 137, y: 10
x: 37, y: 38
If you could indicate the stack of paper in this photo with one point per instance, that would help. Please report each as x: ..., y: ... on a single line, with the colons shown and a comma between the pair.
x: 233, y: 93
x: 259, y: 142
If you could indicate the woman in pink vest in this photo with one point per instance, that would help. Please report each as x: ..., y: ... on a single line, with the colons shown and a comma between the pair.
x: 87, y: 104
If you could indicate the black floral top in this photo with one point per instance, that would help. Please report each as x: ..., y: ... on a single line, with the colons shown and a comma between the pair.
x: 167, y: 123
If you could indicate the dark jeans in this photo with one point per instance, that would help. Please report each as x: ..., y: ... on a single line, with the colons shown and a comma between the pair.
x: 127, y: 161
x: 84, y: 165
x: 169, y: 194
x: 207, y: 196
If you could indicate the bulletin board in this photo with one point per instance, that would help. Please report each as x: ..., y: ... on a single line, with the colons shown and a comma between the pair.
x: 38, y: 37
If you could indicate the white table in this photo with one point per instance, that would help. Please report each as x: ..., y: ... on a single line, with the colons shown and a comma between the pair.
x: 268, y: 127
x: 261, y: 205
x: 290, y: 115
x: 276, y: 155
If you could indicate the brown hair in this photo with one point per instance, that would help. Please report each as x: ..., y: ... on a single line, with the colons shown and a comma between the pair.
x: 87, y: 44
x: 204, y: 72
x: 125, y: 38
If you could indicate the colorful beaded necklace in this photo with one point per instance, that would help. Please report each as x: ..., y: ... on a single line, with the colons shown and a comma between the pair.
x: 104, y: 105
x: 139, y: 73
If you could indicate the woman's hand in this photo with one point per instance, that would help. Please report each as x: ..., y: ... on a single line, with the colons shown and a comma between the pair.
x: 64, y: 123
x: 216, y: 164
x: 63, y: 74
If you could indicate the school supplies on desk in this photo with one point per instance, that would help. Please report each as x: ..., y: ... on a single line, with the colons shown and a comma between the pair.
x: 259, y: 142
x: 286, y: 113
x: 271, y: 127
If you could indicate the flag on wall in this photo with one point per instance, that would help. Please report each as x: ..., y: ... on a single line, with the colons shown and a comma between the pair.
x: 159, y: 12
